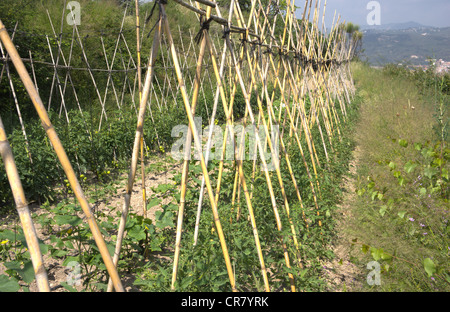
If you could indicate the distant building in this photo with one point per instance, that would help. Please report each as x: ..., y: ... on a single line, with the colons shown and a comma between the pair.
x: 442, y: 66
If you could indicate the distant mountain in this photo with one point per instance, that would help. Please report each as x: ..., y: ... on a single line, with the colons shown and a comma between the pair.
x: 394, y: 26
x: 410, y: 43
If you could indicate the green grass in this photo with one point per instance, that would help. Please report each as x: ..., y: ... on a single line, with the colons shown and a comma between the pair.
x: 400, y: 217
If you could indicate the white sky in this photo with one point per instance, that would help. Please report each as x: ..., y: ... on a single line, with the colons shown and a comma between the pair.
x: 427, y: 12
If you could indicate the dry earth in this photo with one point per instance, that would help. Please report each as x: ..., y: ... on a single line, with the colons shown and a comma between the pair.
x: 341, y: 274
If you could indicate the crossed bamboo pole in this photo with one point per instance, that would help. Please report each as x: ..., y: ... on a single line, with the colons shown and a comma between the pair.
x: 187, y: 156
x: 139, y: 78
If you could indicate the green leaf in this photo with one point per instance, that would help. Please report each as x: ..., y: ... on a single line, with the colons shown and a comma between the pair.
x: 130, y: 223
x: 430, y: 172
x: 374, y: 194
x: 162, y: 188
x: 13, y: 236
x: 365, y: 248
x: 26, y: 273
x: 186, y: 281
x: 401, y: 214
x: 392, y: 165
x: 164, y: 219
x: 13, y: 265
x: 137, y: 232
x: 44, y: 248
x: 64, y: 219
x: 403, y: 143
x: 383, y: 210
x: 445, y: 173
x: 423, y: 191
x: 70, y: 259
x: 60, y: 253
x: 155, y: 246
x: 438, y: 162
x: 429, y: 266
x: 386, y: 256
x: 68, y: 287
x: 8, y: 284
x: 153, y: 202
x: 376, y: 253
x: 409, y: 166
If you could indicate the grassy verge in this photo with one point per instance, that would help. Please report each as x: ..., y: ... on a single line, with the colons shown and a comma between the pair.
x: 400, y: 218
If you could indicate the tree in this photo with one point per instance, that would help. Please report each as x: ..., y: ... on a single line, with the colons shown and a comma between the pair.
x: 354, y: 38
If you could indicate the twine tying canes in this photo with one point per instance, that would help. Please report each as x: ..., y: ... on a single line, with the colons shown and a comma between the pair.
x: 204, y: 26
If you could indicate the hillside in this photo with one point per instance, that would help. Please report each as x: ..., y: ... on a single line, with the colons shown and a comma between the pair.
x: 412, y: 45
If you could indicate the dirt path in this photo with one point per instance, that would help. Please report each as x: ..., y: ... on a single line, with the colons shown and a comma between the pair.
x: 341, y: 274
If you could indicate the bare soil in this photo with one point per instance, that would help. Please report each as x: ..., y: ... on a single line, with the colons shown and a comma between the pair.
x: 341, y: 274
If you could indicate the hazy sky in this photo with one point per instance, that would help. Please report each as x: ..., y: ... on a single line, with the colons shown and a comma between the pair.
x: 427, y: 12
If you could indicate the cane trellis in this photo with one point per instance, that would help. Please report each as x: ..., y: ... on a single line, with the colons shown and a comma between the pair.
x: 300, y: 63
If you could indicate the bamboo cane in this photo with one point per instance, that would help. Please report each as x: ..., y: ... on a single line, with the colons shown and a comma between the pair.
x: 68, y: 75
x: 19, y: 114
x: 109, y: 67
x: 139, y: 74
x: 216, y: 100
x: 80, y: 41
x: 32, y: 70
x: 187, y: 156
x: 297, y: 138
x: 137, y: 141
x: 23, y: 211
x: 58, y: 82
